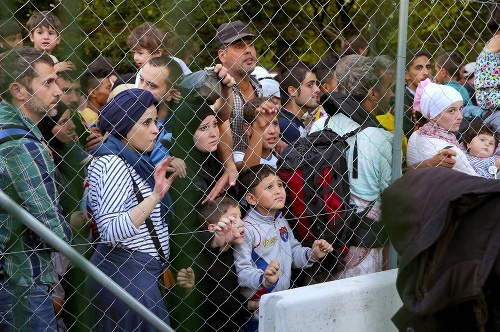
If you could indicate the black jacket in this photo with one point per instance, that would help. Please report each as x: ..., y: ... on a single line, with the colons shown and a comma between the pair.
x: 336, y: 102
x: 445, y: 225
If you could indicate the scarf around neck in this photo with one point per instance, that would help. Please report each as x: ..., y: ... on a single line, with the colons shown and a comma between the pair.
x: 434, y: 131
x: 140, y: 162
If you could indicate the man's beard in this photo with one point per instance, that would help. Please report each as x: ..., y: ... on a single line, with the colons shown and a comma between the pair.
x: 73, y: 106
x: 243, y: 72
x: 35, y: 106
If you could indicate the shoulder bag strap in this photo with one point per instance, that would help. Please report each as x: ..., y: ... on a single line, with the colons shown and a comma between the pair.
x: 150, y: 225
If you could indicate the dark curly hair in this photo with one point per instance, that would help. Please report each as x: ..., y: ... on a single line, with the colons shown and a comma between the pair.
x: 477, y: 129
x: 255, y: 175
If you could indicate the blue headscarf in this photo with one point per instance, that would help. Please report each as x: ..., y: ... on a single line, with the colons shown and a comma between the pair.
x: 122, y: 112
x: 118, y: 117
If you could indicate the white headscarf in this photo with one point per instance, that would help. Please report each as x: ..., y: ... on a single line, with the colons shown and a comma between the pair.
x: 432, y: 99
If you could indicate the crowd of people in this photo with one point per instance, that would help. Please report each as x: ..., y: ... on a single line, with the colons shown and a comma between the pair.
x: 168, y: 180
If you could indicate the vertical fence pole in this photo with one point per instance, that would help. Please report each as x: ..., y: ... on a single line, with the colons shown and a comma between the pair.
x: 78, y: 260
x: 398, y: 116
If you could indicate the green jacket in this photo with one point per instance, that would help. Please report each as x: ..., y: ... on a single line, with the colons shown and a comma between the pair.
x: 27, y: 176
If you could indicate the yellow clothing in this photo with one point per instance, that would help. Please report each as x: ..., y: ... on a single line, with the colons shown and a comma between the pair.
x: 387, y: 121
x: 89, y: 116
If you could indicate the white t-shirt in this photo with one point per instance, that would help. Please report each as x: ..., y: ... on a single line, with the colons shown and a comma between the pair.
x: 421, y: 147
x: 272, y: 160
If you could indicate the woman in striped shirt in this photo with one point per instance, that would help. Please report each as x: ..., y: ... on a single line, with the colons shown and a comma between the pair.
x: 126, y: 251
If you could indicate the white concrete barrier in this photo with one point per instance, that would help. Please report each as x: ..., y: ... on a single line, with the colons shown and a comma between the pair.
x: 364, y: 303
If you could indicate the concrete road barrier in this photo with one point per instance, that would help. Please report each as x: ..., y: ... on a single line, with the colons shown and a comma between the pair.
x: 364, y: 303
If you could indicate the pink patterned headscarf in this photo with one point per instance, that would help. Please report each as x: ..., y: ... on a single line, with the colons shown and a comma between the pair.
x: 431, y: 99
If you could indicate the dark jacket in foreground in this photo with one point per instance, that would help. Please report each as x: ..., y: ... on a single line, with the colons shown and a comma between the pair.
x: 445, y: 226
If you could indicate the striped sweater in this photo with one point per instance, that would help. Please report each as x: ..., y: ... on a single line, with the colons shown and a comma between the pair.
x: 111, y: 197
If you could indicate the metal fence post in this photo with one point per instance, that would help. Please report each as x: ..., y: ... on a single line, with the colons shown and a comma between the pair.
x: 398, y: 116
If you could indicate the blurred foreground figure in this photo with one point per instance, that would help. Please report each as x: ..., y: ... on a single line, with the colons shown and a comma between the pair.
x: 448, y: 242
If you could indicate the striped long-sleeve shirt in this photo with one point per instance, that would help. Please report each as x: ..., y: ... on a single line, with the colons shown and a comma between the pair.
x: 27, y: 176
x: 111, y: 197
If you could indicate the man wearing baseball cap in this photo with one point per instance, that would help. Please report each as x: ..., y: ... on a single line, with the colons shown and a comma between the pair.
x: 237, y: 53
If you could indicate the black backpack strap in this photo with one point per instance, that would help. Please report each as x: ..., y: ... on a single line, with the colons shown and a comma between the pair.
x: 9, y: 133
x: 355, y: 160
x: 355, y: 152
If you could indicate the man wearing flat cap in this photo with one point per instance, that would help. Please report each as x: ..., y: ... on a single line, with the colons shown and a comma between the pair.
x: 237, y: 53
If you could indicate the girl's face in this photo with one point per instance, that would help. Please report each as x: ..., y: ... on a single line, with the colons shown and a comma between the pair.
x: 206, y: 137
x: 64, y: 130
x: 142, y: 137
x: 483, y: 146
x: 450, y: 118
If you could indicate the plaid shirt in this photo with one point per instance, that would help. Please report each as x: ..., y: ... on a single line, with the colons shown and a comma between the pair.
x: 240, y: 139
x: 26, y: 175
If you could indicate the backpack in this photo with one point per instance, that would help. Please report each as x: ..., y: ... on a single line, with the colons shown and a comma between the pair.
x: 315, y: 171
x: 13, y: 132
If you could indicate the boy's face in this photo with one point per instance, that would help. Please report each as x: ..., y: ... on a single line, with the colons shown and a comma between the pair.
x: 142, y: 55
x: 441, y: 74
x: 269, y: 121
x: 483, y: 146
x: 71, y: 92
x: 12, y: 40
x: 45, y: 38
x: 331, y: 85
x: 235, y: 235
x: 272, y: 133
x: 100, y: 94
x: 268, y: 196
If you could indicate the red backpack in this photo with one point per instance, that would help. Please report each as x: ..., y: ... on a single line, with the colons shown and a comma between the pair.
x: 314, y: 170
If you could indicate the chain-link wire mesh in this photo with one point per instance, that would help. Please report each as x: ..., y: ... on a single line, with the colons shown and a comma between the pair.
x: 328, y: 184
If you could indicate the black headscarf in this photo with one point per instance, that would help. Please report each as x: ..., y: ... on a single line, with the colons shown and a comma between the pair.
x: 48, y: 123
x: 203, y: 170
x: 204, y: 167
x: 68, y: 159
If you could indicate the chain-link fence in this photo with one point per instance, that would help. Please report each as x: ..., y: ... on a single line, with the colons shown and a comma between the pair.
x: 333, y: 161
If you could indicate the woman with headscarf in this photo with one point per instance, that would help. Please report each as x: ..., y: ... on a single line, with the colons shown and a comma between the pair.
x: 120, y: 173
x: 195, y: 139
x: 442, y: 107
x: 59, y: 134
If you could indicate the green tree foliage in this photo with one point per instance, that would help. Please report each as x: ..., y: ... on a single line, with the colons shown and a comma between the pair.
x: 446, y: 25
x: 286, y: 30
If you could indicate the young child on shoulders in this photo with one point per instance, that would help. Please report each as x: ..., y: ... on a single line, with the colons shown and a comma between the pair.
x: 265, y: 259
x: 481, y: 142
x: 148, y: 41
x: 264, y: 132
x: 45, y: 33
x: 216, y: 281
